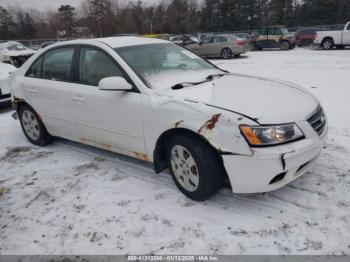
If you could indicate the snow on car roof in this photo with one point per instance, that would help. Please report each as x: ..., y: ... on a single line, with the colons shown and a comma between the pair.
x: 9, y: 43
x: 115, y: 42
x: 123, y: 41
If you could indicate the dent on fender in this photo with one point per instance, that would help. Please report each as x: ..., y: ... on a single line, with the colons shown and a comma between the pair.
x: 210, y: 125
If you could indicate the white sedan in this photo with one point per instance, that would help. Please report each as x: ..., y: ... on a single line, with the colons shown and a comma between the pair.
x: 156, y: 101
x: 5, y: 71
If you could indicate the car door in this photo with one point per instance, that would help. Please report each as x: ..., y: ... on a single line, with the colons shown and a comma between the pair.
x: 273, y: 37
x: 48, y: 89
x: 346, y: 36
x: 109, y: 119
x: 219, y: 43
x: 262, y: 38
x: 203, y: 48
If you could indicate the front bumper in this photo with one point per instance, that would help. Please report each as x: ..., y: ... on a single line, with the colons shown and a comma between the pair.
x: 271, y: 168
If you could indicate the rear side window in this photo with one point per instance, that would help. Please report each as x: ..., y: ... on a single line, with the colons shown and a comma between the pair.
x: 263, y: 31
x: 35, y: 69
x: 274, y: 31
x: 220, y: 39
x: 57, y: 64
x: 96, y: 65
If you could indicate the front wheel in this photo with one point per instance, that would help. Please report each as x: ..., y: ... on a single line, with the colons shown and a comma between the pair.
x: 226, y: 53
x: 195, y: 167
x: 32, y: 126
x: 327, y: 44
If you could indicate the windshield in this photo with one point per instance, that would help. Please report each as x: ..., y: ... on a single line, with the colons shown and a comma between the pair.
x: 163, y: 65
x: 284, y: 31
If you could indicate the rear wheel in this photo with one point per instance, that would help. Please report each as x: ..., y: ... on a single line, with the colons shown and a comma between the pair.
x: 284, y: 46
x: 226, y: 53
x: 195, y: 167
x: 32, y: 126
x: 327, y: 44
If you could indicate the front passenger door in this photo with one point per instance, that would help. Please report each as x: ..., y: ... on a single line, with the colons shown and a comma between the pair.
x: 110, y: 119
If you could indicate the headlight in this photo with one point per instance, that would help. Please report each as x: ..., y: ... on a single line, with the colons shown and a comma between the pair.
x: 271, y: 135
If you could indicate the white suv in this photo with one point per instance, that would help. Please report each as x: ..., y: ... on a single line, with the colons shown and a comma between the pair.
x: 156, y: 101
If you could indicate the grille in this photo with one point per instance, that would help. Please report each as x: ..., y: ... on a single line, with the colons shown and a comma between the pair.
x: 318, y: 121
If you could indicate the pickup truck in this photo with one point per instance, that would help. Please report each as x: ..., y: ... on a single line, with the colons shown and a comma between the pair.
x: 339, y: 38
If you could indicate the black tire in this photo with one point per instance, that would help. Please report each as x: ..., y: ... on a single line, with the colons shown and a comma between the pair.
x: 257, y: 47
x: 226, y: 53
x: 208, y: 165
x: 327, y: 44
x: 43, y: 138
x: 284, y: 46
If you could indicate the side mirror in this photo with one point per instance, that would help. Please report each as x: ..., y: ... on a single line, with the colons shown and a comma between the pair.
x: 114, y: 83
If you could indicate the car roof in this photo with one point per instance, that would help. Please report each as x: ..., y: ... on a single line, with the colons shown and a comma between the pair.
x: 116, y: 42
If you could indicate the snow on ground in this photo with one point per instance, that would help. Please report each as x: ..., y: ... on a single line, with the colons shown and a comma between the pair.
x: 73, y: 199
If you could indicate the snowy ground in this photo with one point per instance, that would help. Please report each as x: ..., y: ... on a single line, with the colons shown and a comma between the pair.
x: 69, y: 198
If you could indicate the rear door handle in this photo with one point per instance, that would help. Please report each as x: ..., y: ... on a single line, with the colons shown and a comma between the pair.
x: 78, y: 99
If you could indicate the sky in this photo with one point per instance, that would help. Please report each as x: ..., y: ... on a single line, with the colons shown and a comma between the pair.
x: 48, y: 4
x: 40, y: 4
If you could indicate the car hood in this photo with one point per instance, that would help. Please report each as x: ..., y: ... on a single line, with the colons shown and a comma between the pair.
x: 264, y: 100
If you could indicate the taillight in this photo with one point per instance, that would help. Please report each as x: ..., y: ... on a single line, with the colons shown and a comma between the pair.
x: 240, y: 42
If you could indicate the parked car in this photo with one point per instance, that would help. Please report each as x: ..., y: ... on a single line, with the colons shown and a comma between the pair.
x: 274, y: 37
x: 14, y: 53
x: 5, y: 71
x: 339, y: 37
x: 156, y: 101
x: 306, y: 36
x: 184, y: 40
x: 250, y: 38
x: 224, y: 46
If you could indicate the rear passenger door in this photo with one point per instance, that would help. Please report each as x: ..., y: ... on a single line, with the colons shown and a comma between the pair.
x: 108, y: 119
x: 49, y: 90
x: 219, y: 43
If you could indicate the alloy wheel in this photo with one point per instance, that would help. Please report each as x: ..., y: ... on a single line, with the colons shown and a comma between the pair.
x: 184, y: 168
x: 31, y: 125
x: 226, y: 53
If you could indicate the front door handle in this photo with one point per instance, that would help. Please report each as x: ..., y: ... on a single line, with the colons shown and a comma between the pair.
x: 78, y: 99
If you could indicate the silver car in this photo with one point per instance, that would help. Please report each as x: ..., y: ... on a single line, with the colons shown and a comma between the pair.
x: 225, y: 46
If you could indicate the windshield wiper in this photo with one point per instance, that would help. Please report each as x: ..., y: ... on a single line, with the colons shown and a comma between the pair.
x: 211, y: 77
x: 185, y: 84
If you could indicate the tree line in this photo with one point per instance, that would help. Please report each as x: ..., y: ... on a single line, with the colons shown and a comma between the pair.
x: 97, y: 18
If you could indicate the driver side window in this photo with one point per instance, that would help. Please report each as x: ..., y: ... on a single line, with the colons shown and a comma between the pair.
x: 96, y: 65
x: 348, y: 27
